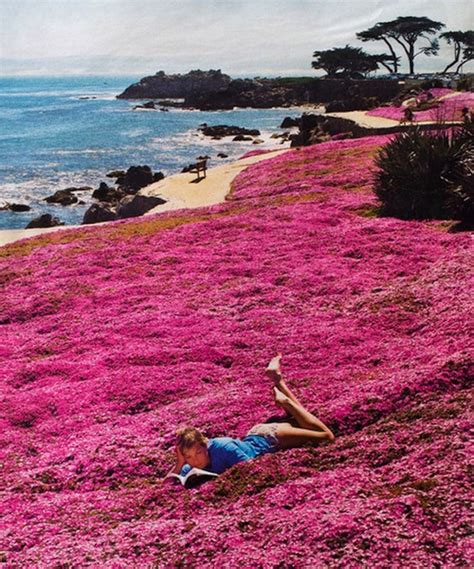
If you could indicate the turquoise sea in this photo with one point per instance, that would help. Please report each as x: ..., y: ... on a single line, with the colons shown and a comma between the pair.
x: 57, y: 132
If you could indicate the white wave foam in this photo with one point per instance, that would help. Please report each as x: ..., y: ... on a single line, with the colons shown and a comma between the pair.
x: 83, y: 151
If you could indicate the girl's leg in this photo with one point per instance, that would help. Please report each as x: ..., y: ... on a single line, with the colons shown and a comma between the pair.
x: 305, y: 419
x: 283, y: 387
x: 274, y: 372
x: 291, y: 437
x: 310, y: 429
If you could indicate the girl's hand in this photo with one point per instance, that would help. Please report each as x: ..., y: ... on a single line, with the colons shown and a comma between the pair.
x: 179, y: 456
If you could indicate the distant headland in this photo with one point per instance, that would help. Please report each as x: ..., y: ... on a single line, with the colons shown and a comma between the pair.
x: 214, y: 90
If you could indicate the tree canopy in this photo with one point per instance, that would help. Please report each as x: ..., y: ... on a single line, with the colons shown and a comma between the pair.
x: 415, y: 35
x: 347, y: 61
x: 379, y: 32
x: 463, y: 43
x: 407, y: 30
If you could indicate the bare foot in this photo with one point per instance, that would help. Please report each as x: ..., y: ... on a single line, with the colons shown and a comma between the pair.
x: 280, y: 398
x: 273, y: 370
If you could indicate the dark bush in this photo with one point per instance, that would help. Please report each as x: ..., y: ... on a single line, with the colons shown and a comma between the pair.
x: 465, y: 84
x: 425, y: 175
x: 431, y: 84
x: 353, y: 104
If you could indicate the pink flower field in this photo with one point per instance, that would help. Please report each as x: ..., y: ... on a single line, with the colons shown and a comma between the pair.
x: 113, y: 337
x: 448, y: 106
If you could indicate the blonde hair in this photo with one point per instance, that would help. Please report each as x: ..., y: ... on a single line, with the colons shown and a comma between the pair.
x: 188, y: 436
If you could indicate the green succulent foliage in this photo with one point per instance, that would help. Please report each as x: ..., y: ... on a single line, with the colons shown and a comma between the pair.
x: 427, y: 176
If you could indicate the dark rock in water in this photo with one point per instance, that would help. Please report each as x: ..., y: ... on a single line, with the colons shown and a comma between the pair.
x: 241, y: 138
x: 284, y: 135
x: 177, y: 86
x: 157, y: 176
x: 149, y: 105
x: 105, y: 193
x: 173, y: 103
x: 134, y: 206
x: 99, y: 212
x: 18, y: 207
x: 225, y: 130
x: 135, y: 178
x: 289, y: 122
x: 115, y: 174
x: 45, y: 220
x: 222, y: 155
x: 258, y: 141
x: 164, y: 110
x: 63, y: 197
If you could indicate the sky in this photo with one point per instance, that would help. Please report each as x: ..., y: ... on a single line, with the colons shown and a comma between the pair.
x: 244, y: 38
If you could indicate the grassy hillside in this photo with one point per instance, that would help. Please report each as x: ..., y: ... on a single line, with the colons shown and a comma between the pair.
x: 112, y: 337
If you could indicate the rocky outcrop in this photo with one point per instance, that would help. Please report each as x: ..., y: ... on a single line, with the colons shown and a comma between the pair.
x: 115, y: 173
x: 161, y: 85
x: 128, y: 182
x: 354, y: 104
x: 212, y: 90
x: 151, y: 105
x: 221, y: 130
x: 17, y: 207
x: 63, y: 197
x: 98, y: 213
x: 134, y: 206
x: 289, y: 122
x: 137, y: 177
x: 45, y: 220
x: 257, y: 93
x: 320, y: 128
x: 105, y: 193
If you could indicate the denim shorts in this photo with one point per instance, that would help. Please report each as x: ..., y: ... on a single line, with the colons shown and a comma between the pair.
x: 266, y: 431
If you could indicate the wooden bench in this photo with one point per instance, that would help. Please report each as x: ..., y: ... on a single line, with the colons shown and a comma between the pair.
x: 199, y: 167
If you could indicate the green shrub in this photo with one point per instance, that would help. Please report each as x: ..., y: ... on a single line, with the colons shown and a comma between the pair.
x: 426, y: 175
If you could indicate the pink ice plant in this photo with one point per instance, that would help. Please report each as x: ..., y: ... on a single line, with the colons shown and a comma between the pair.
x: 112, y: 337
x: 447, y: 107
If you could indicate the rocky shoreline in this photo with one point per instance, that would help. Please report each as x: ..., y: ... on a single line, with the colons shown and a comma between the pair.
x: 214, y: 90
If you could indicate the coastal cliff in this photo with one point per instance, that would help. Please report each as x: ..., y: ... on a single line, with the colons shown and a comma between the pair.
x: 177, y: 86
x: 214, y: 90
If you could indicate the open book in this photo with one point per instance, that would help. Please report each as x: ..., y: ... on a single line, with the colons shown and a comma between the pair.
x: 194, y: 477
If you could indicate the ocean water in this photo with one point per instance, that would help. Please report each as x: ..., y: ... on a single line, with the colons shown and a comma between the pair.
x: 58, y: 132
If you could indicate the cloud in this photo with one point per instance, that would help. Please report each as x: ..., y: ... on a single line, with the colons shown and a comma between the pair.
x: 240, y: 36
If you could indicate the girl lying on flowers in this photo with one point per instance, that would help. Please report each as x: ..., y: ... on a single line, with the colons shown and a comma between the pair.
x: 194, y: 450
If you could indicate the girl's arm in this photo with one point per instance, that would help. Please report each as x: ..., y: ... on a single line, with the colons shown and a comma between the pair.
x: 180, y: 462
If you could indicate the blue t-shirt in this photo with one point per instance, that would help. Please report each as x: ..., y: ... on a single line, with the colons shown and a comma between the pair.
x: 224, y: 452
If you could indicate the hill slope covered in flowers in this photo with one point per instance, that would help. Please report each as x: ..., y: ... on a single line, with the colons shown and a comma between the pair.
x: 113, y: 337
x: 447, y: 106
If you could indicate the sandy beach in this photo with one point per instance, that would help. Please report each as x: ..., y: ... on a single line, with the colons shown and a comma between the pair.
x: 180, y: 192
x: 361, y: 118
